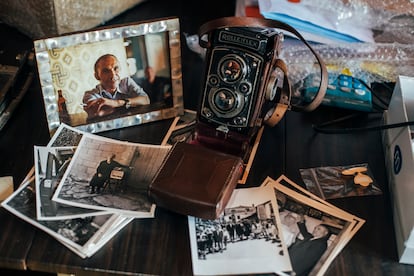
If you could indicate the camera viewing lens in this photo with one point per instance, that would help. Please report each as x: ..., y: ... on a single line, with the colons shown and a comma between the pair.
x: 232, y: 68
x: 224, y: 100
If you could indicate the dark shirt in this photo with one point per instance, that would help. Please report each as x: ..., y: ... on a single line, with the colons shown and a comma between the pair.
x: 106, y: 168
x: 158, y: 91
x: 304, y: 254
x: 103, y: 172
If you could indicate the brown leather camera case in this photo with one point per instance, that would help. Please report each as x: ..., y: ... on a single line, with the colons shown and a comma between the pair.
x: 196, y: 181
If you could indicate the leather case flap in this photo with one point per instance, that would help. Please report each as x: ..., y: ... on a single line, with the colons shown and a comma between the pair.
x: 196, y: 181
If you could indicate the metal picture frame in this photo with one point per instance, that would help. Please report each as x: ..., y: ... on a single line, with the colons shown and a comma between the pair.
x: 66, y: 71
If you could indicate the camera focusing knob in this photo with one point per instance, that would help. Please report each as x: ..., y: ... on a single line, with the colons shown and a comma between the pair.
x: 275, y: 82
x: 245, y: 87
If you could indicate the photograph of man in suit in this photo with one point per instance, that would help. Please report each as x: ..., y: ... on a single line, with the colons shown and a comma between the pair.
x: 305, y: 253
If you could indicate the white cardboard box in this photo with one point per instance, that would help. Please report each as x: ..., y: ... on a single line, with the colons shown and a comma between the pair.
x: 398, y: 144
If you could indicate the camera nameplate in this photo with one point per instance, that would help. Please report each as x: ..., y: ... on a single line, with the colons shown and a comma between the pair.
x: 254, y: 43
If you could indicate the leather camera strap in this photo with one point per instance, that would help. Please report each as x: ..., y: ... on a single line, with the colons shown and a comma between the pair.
x: 234, y: 21
x: 276, y: 114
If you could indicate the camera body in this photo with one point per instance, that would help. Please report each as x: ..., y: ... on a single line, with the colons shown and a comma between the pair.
x: 238, y: 88
x: 245, y: 86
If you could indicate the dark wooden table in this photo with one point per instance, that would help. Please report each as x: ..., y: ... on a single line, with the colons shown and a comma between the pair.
x: 161, y: 245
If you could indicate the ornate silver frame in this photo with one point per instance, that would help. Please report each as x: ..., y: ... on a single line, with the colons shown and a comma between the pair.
x: 46, y: 48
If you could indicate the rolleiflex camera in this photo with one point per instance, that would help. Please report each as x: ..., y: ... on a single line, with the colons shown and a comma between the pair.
x: 245, y: 87
x: 236, y: 92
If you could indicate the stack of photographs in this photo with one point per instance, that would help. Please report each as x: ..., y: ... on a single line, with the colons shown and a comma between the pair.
x: 278, y: 228
x: 84, y: 188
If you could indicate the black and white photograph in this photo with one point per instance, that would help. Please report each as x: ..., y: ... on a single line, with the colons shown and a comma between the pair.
x: 84, y: 236
x: 181, y: 129
x: 111, y: 175
x: 50, y: 165
x: 313, y: 232
x: 285, y: 181
x: 244, y: 239
x: 357, y: 222
x: 65, y: 136
x: 111, y: 78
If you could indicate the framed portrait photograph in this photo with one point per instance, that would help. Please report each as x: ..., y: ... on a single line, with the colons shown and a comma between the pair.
x: 111, y: 78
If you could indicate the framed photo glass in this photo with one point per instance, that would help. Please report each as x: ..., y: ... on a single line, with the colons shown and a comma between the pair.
x: 113, y: 77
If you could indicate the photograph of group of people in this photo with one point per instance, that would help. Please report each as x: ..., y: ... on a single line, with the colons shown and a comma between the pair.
x: 214, y: 237
x: 244, y: 239
x: 300, y: 235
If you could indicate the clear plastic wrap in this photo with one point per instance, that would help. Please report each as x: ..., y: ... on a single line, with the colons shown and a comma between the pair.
x: 372, y: 62
x: 366, y: 13
x: 330, y: 20
x: 40, y: 18
x: 340, y: 181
